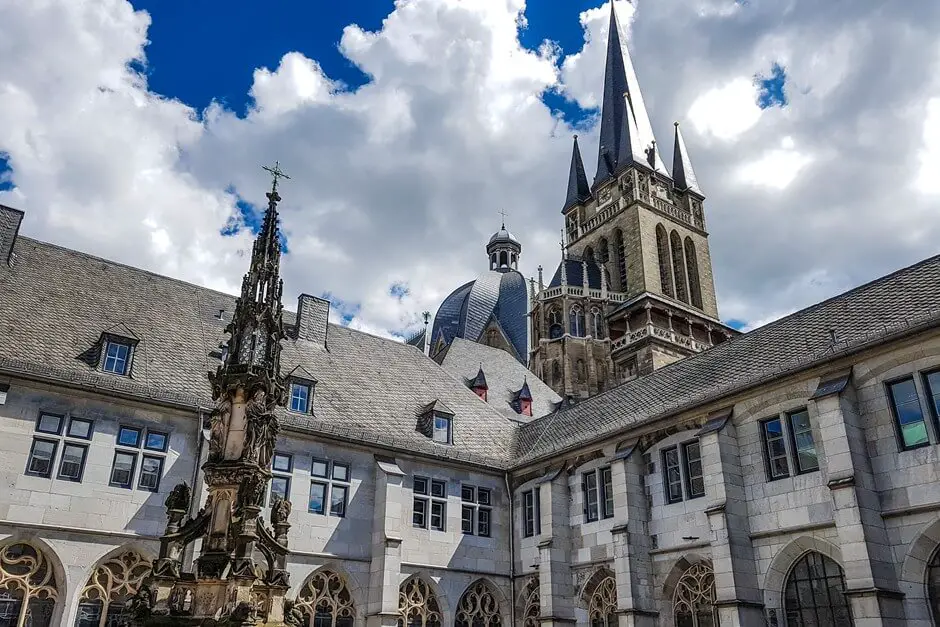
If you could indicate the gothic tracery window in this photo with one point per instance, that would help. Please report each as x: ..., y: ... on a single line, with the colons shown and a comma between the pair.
x: 815, y: 593
x: 665, y: 265
x: 576, y: 321
x: 555, y: 327
x: 478, y: 607
x: 933, y: 586
x: 325, y: 600
x: 602, y: 609
x: 694, y: 599
x: 691, y: 263
x: 532, y: 608
x: 418, y: 605
x: 28, y: 590
x: 621, y: 253
x: 105, y: 597
x: 597, y: 323
x: 678, y: 267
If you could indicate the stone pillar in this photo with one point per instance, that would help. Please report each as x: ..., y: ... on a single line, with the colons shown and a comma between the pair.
x: 385, y: 571
x: 636, y: 604
x: 556, y: 593
x: 870, y: 579
x: 590, y: 366
x: 737, y: 594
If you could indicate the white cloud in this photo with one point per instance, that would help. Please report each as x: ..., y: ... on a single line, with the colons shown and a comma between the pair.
x: 299, y: 81
x: 928, y: 178
x: 775, y: 169
x: 728, y: 111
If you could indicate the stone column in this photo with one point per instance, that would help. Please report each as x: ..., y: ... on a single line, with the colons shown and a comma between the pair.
x: 636, y: 605
x: 556, y: 593
x: 385, y: 571
x: 737, y: 594
x: 870, y: 579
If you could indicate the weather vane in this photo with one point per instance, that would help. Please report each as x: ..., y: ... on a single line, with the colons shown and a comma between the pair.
x: 277, y: 173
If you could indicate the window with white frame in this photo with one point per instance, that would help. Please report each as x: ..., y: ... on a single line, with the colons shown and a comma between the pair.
x: 475, y: 512
x: 71, y: 435
x: 117, y: 355
x: 683, y: 478
x: 143, y: 448
x: 793, y: 429
x: 282, y: 465
x: 329, y: 488
x: 300, y: 396
x: 442, y: 429
x: 531, y: 513
x: 597, y: 487
x: 430, y: 503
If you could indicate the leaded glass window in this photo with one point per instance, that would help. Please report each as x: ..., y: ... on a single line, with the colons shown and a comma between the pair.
x: 28, y: 589
x: 602, y: 608
x: 478, y: 608
x: 694, y: 599
x: 325, y: 601
x: 418, y: 605
x: 107, y: 593
x: 815, y: 593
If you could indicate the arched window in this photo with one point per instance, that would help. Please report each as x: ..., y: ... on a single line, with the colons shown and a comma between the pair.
x: 493, y: 261
x: 621, y: 253
x: 597, y: 323
x: 105, y: 597
x: 694, y: 599
x: 325, y: 600
x: 603, y: 250
x: 478, y: 608
x: 556, y: 373
x: 665, y: 265
x: 418, y: 605
x: 580, y: 375
x: 691, y: 264
x: 815, y: 593
x: 576, y: 321
x: 933, y: 586
x: 602, y: 609
x: 589, y: 254
x: 503, y: 259
x: 532, y: 608
x: 28, y: 590
x: 678, y: 267
x: 555, y: 327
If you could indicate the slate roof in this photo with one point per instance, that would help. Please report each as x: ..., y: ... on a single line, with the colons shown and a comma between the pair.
x: 578, y: 188
x: 504, y: 377
x: 574, y: 273
x: 56, y: 303
x: 866, y: 315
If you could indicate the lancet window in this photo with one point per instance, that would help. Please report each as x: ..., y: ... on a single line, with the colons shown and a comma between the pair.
x: 597, y: 323
x: 665, y: 264
x: 555, y: 327
x: 105, y: 597
x: 621, y: 253
x: 815, y: 593
x: 576, y: 321
x: 28, y: 590
x: 325, y: 601
x: 691, y: 263
x: 694, y: 599
x: 418, y: 605
x: 678, y: 267
x: 532, y: 608
x: 602, y: 608
x: 478, y: 608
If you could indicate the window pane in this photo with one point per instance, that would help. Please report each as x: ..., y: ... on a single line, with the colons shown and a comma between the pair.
x: 280, y: 487
x: 40, y: 458
x: 907, y: 411
x: 467, y: 494
x: 340, y: 472
x: 155, y: 441
x: 775, y: 448
x: 528, y: 513
x: 299, y: 398
x: 914, y: 434
x: 933, y: 389
x: 128, y: 436
x: 693, y: 469
x: 441, y: 430
x: 79, y: 428
x: 281, y: 462
x: 73, y: 460
x: 483, y: 522
x: 483, y: 496
x: 438, y: 488
x: 672, y: 476
x: 420, y: 485
x: 607, y: 487
x: 466, y: 519
x: 315, y: 504
x: 419, y: 517
x: 437, y: 515
x: 123, y: 470
x: 319, y: 468
x: 49, y: 424
x: 590, y: 496
x: 338, y: 500
x: 116, y: 358
x: 150, y: 471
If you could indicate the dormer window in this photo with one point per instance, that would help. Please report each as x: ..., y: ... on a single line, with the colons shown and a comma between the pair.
x: 435, y: 421
x: 117, y: 357
x: 441, y: 429
x: 300, y: 397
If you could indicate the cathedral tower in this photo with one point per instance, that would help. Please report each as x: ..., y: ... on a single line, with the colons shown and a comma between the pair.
x: 636, y: 250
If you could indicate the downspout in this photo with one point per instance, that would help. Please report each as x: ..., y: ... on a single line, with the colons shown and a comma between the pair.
x: 512, y: 556
x: 195, y: 495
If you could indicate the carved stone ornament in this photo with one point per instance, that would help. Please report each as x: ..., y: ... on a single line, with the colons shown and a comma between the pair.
x: 280, y: 511
x: 178, y: 498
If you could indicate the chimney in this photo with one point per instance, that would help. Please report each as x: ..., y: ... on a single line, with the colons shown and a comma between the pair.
x: 312, y: 316
x: 9, y: 227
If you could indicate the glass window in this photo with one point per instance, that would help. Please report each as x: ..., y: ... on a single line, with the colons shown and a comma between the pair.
x: 49, y: 423
x: 122, y: 469
x: 438, y: 488
x: 419, y: 517
x: 589, y: 483
x: 815, y: 593
x: 41, y: 456
x: 129, y: 436
x: 468, y: 494
x: 438, y: 515
x: 73, y: 461
x: 340, y: 472
x: 320, y: 468
x: 421, y: 485
x: 338, y: 500
x: 775, y: 449
x: 483, y: 522
x: 280, y: 488
x: 531, y: 514
x: 281, y: 462
x: 484, y: 496
x: 317, y: 501
x: 79, y: 428
x: 300, y: 397
x: 155, y: 441
x: 804, y: 448
x: 693, y: 469
x: 466, y: 519
x: 607, y: 492
x: 910, y: 419
x: 441, y: 429
x: 672, y: 475
x: 116, y: 357
x: 151, y: 469
x: 933, y: 391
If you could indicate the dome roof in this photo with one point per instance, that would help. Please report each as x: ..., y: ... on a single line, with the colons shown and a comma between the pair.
x: 468, y: 310
x: 503, y: 235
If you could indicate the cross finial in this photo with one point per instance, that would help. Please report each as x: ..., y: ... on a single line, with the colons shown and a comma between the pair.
x: 503, y: 213
x: 276, y: 173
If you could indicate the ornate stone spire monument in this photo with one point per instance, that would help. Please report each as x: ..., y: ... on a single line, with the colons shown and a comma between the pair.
x: 239, y: 577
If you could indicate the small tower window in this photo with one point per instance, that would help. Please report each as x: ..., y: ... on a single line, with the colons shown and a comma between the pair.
x: 555, y: 328
x: 576, y: 321
x: 503, y: 259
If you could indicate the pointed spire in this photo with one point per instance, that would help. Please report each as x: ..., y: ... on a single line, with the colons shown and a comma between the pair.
x: 682, y: 172
x: 479, y: 381
x: 578, y: 188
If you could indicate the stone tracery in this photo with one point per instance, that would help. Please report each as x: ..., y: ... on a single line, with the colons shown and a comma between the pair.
x: 694, y: 597
x: 602, y: 606
x: 418, y: 605
x: 326, y: 598
x: 28, y: 589
x: 478, y: 607
x: 108, y: 590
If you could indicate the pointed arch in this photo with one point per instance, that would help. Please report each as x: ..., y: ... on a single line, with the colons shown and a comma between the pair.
x: 576, y: 321
x: 603, y: 250
x: 104, y: 599
x: 783, y: 562
x: 814, y: 593
x: 665, y: 265
x: 556, y: 326
x: 556, y: 373
x: 920, y: 574
x: 29, y: 585
x: 589, y: 254
x: 620, y: 253
x: 325, y: 599
x: 599, y: 595
x: 597, y: 323
x: 693, y: 601
x: 478, y: 607
x: 678, y: 267
x: 418, y: 604
x: 531, y: 603
x: 691, y: 264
